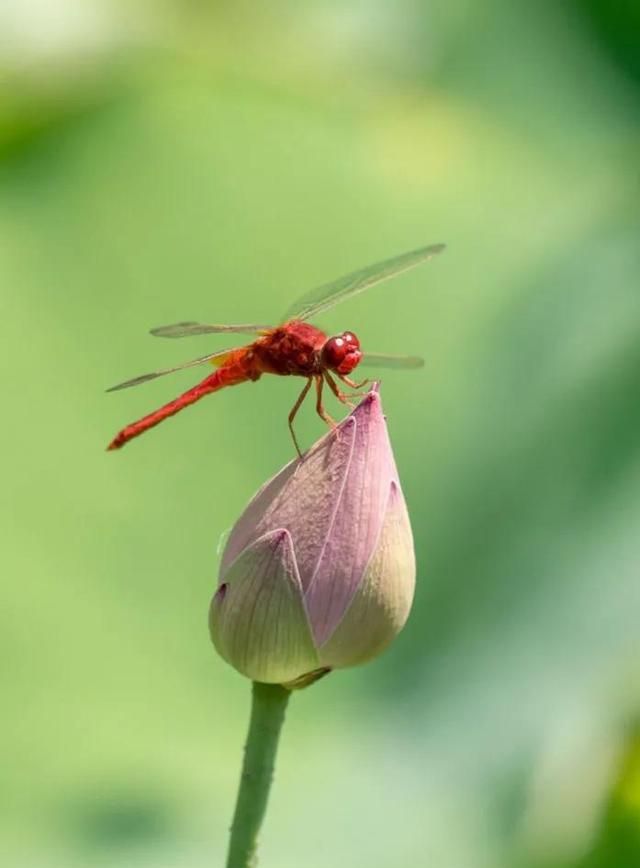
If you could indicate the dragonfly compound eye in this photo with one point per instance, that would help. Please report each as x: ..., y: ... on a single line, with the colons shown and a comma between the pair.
x: 342, y: 353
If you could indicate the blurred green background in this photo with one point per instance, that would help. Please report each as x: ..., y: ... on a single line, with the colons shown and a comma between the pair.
x: 213, y: 161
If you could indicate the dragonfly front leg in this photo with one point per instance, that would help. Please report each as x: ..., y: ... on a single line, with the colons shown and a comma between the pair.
x: 336, y: 391
x: 344, y: 396
x: 294, y: 410
x: 352, y: 384
x: 320, y: 406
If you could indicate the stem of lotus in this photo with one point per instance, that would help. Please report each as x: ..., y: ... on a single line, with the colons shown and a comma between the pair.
x: 268, y: 706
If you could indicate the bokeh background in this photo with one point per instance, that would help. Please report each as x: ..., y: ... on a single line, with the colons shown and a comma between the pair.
x: 213, y: 161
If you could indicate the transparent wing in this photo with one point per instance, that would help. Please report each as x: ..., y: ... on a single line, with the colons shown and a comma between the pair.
x: 382, y: 360
x: 143, y: 378
x: 324, y: 297
x: 187, y: 329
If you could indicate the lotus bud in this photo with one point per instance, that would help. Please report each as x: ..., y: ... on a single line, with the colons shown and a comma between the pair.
x: 319, y: 572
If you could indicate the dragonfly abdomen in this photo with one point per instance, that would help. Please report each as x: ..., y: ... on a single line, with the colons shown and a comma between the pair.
x: 229, y: 374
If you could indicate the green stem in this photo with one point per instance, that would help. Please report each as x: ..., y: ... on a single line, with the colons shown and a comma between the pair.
x: 268, y: 705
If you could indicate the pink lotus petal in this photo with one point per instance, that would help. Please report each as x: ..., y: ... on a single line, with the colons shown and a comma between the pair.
x: 302, y: 499
x: 357, y: 522
x: 332, y: 502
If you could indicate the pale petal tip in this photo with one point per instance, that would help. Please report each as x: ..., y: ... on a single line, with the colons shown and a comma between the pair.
x: 276, y: 540
x: 278, y: 537
x: 220, y: 594
x: 372, y: 396
x: 371, y: 404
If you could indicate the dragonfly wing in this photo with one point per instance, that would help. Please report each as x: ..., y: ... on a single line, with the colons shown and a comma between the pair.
x: 218, y: 358
x: 382, y: 360
x: 188, y: 329
x: 324, y: 297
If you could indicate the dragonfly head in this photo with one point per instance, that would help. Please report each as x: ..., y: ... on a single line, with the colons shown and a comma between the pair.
x: 342, y: 353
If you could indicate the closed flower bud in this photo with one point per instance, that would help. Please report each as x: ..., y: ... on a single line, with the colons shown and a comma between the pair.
x: 319, y: 571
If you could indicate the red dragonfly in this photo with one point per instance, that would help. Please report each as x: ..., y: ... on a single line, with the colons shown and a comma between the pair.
x: 294, y: 348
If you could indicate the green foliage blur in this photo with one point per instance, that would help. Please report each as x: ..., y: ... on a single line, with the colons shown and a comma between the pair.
x: 213, y: 161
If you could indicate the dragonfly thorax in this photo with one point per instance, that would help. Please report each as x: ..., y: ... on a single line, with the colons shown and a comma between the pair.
x: 342, y: 353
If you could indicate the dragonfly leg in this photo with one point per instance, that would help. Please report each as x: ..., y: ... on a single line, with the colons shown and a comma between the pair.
x: 320, y: 406
x: 352, y: 384
x: 294, y: 410
x: 340, y: 395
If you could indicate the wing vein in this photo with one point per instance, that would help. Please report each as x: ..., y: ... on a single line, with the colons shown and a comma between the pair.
x: 144, y: 378
x: 325, y: 296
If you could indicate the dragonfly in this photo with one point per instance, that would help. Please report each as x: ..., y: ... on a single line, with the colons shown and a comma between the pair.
x: 294, y: 348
